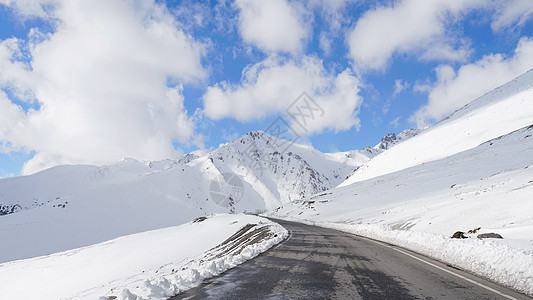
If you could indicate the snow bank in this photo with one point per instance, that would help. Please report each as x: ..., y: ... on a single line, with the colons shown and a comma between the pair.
x: 500, y: 263
x: 150, y: 265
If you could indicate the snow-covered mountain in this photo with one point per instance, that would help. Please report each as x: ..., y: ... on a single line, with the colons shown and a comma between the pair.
x: 472, y: 171
x: 488, y: 186
x: 282, y: 171
x: 391, y: 139
x: 275, y: 169
x: 498, y: 112
x: 72, y: 206
x: 388, y: 141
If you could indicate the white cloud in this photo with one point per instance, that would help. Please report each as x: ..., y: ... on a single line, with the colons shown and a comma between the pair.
x: 324, y: 42
x: 274, y: 25
x: 405, y: 27
x: 399, y: 86
x: 272, y: 85
x: 511, y: 12
x: 101, y: 81
x: 31, y: 8
x: 330, y: 7
x: 453, y: 89
x: 395, y: 122
x: 441, y: 50
x: 333, y: 14
x: 14, y: 75
x: 10, y: 116
x: 423, y: 28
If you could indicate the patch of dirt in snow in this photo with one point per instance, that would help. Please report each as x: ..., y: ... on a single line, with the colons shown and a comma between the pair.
x: 248, y: 235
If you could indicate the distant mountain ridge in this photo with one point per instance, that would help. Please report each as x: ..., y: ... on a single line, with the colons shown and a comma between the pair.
x: 277, y: 170
x: 65, y: 207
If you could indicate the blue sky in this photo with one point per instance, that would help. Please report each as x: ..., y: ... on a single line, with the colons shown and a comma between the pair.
x: 95, y: 81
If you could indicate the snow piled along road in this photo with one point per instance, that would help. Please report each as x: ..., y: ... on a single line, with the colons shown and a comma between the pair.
x: 419, y: 208
x: 155, y: 264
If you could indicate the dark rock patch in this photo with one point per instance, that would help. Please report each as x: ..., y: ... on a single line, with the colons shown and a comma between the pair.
x: 490, y: 235
x: 459, y: 235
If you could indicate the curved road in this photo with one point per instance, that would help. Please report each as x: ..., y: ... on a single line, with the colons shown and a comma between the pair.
x: 327, y: 264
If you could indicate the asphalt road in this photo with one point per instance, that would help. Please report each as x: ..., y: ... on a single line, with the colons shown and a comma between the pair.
x: 319, y: 263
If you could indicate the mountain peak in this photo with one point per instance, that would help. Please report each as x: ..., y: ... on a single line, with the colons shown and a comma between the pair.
x: 392, y: 139
x: 260, y: 138
x: 255, y: 135
x: 387, y: 141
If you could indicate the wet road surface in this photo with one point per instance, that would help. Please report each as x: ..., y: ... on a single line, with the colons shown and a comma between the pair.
x: 320, y: 263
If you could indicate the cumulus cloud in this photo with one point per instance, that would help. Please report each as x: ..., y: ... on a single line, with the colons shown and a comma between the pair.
x: 274, y: 25
x: 101, y: 80
x: 423, y: 28
x: 511, y: 13
x: 453, y: 89
x: 272, y: 85
x: 405, y: 27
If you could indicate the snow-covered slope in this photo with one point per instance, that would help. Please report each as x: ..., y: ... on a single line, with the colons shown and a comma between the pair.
x: 357, y: 158
x: 488, y: 186
x: 73, y: 206
x: 498, y: 112
x: 151, y: 265
x: 420, y: 207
